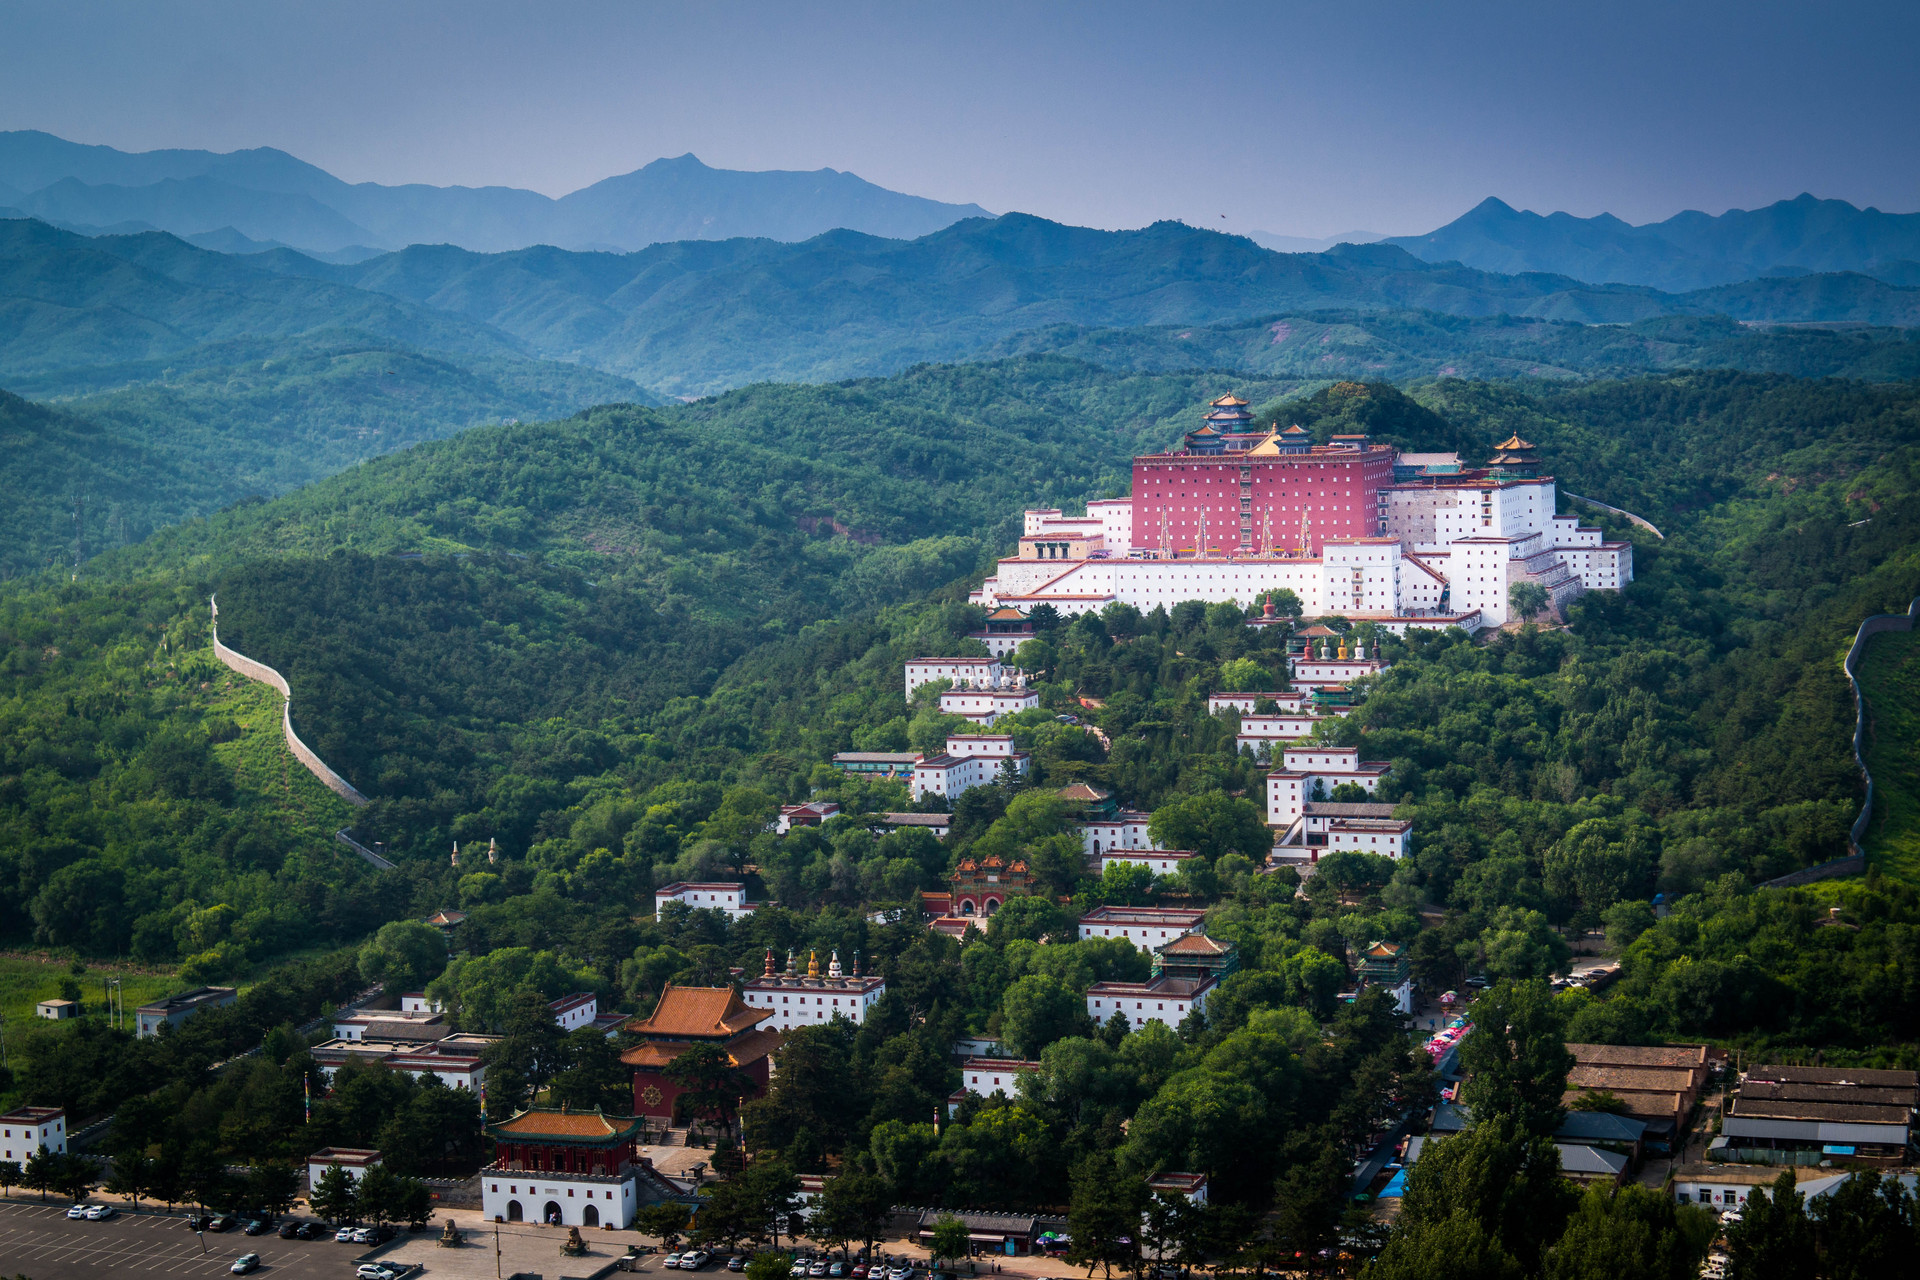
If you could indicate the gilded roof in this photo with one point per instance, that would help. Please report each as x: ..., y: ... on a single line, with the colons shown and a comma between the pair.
x: 1513, y: 442
x: 699, y: 1013
x: 1228, y: 399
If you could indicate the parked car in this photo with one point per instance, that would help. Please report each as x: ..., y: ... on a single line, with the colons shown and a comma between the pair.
x: 365, y: 1235
x: 836, y: 1271
x: 859, y: 1271
x: 695, y: 1260
x: 100, y: 1212
x: 344, y: 1235
x: 289, y: 1230
x: 736, y: 1263
x: 254, y: 1227
x: 817, y: 1268
x: 672, y: 1262
x: 798, y: 1270
x: 199, y: 1222
x: 312, y: 1230
x: 900, y: 1273
x: 225, y: 1222
x: 244, y: 1263
x: 370, y: 1271
x: 78, y: 1212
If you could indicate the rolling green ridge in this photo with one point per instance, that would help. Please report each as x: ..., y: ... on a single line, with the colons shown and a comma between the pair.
x: 695, y: 317
x: 148, y: 445
x: 608, y: 604
x: 70, y: 302
x: 1404, y: 346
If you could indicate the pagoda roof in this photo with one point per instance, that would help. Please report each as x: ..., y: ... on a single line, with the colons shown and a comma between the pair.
x: 1205, y: 430
x: 1513, y: 442
x: 1006, y: 613
x: 1082, y: 791
x: 562, y: 1124
x: 699, y: 1013
x: 1317, y: 630
x: 1295, y: 430
x: 748, y: 1048
x: 1196, y: 944
x: 1268, y: 447
x: 1226, y: 399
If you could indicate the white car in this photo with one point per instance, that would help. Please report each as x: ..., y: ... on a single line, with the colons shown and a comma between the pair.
x: 344, y: 1235
x: 100, y: 1212
x: 365, y: 1235
x: 370, y: 1271
x: 695, y: 1260
x: 77, y: 1212
x: 671, y: 1262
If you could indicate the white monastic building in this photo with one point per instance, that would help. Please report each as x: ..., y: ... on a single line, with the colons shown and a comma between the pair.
x: 970, y: 760
x: 812, y: 999
x: 1448, y: 544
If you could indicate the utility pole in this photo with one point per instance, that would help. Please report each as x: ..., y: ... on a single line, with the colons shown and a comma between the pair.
x: 496, y: 1251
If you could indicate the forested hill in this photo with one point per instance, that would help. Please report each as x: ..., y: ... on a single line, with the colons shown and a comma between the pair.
x: 501, y: 634
x: 1406, y: 346
x: 134, y: 447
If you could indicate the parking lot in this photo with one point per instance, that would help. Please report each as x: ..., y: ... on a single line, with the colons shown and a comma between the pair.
x: 40, y: 1242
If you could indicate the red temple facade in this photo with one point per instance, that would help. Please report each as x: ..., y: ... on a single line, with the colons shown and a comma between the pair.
x: 689, y: 1016
x: 1259, y: 493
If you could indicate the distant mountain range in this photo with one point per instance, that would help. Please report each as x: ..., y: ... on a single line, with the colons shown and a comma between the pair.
x: 1688, y: 251
x: 694, y: 317
x: 248, y: 200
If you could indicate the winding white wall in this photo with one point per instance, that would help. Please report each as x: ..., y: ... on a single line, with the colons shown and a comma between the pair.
x: 265, y: 674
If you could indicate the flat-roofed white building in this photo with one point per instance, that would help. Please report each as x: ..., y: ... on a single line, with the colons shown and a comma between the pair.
x: 810, y: 814
x: 1245, y: 703
x: 970, y: 760
x: 974, y: 670
x: 455, y: 1059
x: 1163, y: 999
x: 984, y: 1077
x: 1147, y: 928
x: 355, y: 1160
x: 1316, y: 767
x: 24, y: 1130
x: 1123, y: 829
x: 984, y: 706
x: 729, y: 896
x: 811, y: 998
x: 1162, y: 862
x: 174, y: 1010
x: 391, y: 1024
x: 581, y: 1009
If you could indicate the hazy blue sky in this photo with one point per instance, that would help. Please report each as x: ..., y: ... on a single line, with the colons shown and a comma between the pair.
x: 1306, y: 119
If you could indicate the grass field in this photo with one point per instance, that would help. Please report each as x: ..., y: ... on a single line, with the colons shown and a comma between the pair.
x: 26, y: 979
x: 262, y: 766
x: 1890, y: 681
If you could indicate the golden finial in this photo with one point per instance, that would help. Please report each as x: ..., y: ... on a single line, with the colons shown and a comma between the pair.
x: 813, y: 964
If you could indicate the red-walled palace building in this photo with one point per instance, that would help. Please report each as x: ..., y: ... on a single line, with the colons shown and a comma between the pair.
x: 689, y: 1016
x: 1235, y: 489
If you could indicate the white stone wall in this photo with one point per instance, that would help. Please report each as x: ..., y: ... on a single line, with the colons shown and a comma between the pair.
x: 612, y: 1199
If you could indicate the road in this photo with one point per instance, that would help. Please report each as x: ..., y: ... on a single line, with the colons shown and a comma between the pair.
x: 38, y: 1240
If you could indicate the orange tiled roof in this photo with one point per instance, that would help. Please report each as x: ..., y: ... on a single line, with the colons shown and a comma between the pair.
x: 749, y: 1048
x: 552, y: 1122
x: 1198, y: 944
x: 699, y: 1013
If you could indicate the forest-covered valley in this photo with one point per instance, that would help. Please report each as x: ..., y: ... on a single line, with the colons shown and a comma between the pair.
x: 615, y: 643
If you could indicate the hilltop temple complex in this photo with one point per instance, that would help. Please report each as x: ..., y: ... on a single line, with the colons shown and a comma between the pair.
x: 1349, y: 526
